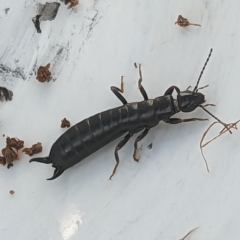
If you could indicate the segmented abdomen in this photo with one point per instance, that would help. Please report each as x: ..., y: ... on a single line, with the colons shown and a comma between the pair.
x: 93, y: 133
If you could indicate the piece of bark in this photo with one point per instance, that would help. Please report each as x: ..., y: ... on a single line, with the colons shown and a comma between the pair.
x: 3, y: 161
x: 14, y: 143
x: 36, y: 148
x: 65, y: 123
x: 46, y: 12
x: 9, y: 155
x: 43, y: 73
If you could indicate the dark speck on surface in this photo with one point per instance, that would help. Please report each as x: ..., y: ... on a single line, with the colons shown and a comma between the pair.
x: 150, y: 146
x: 9, y: 165
x: 6, y: 10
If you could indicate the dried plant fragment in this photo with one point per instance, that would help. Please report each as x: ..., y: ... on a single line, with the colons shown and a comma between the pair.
x: 2, y: 160
x: 135, y: 65
x: 36, y: 148
x: 190, y: 232
x: 46, y: 12
x: 11, y: 151
x: 5, y: 94
x: 226, y: 128
x: 11, y: 192
x: 73, y: 3
x: 65, y: 123
x: 183, y: 22
x: 9, y: 155
x: 15, y: 143
x: 43, y: 73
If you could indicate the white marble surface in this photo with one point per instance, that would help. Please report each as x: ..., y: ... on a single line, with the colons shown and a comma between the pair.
x: 169, y: 192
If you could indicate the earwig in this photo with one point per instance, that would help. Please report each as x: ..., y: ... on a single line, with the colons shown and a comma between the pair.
x: 93, y: 133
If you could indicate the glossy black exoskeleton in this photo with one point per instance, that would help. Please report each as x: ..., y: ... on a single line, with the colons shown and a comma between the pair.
x: 93, y: 133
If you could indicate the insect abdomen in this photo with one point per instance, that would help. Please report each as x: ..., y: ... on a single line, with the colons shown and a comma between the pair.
x: 95, y: 132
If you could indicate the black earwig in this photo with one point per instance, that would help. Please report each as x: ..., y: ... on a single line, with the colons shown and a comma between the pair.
x: 95, y: 132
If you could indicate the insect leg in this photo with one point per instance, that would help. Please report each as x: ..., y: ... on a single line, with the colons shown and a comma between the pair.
x: 140, y: 86
x: 117, y: 91
x: 170, y: 90
x: 138, y: 139
x: 118, y: 147
x: 179, y: 120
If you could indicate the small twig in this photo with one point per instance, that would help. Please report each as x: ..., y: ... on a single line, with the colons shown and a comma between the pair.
x: 183, y: 22
x: 225, y: 129
x: 36, y: 148
x: 224, y: 124
x: 234, y: 125
x: 189, y: 233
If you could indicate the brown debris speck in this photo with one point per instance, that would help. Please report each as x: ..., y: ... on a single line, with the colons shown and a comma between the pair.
x: 73, y: 3
x: 43, y: 73
x: 65, y: 123
x: 11, y: 192
x: 9, y: 155
x: 15, y: 143
x: 2, y: 160
x: 36, y: 148
x: 135, y: 65
x: 183, y: 22
x: 11, y: 152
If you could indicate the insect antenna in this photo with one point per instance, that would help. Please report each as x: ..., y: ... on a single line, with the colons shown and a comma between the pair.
x: 196, y: 87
